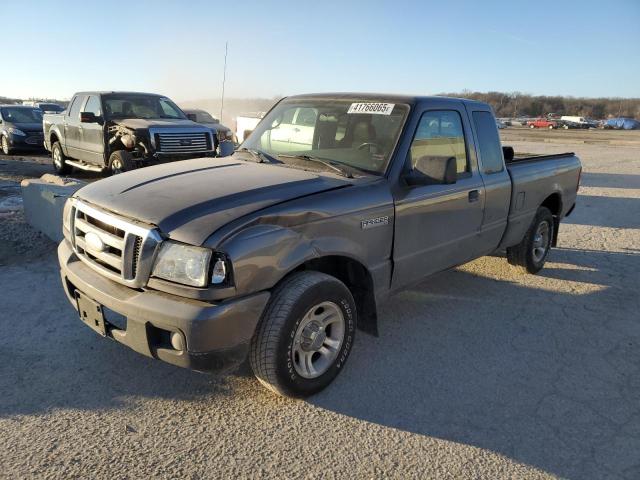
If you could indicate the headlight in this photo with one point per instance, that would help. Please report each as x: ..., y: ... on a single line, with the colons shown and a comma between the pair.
x: 66, y: 215
x: 16, y: 131
x: 182, y: 263
x: 225, y: 135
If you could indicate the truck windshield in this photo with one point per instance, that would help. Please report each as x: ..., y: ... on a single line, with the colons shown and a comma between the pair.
x: 357, y: 133
x: 21, y: 115
x: 140, y: 106
x: 50, y: 107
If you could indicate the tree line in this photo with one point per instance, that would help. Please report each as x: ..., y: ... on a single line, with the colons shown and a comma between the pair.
x: 516, y: 104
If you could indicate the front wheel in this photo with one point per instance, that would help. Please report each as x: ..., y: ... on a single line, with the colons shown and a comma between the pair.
x: 60, y: 164
x: 305, y: 334
x: 121, y: 161
x: 531, y: 253
x: 6, y: 148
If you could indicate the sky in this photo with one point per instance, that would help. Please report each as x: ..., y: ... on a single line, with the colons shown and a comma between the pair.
x: 579, y: 48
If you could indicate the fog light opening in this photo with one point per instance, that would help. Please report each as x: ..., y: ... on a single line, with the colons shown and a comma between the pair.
x: 177, y: 342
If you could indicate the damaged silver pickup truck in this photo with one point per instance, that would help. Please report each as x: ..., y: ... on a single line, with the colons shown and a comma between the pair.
x: 279, y: 252
x: 120, y: 131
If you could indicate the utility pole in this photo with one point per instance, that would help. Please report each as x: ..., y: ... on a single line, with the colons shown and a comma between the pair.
x: 224, y: 77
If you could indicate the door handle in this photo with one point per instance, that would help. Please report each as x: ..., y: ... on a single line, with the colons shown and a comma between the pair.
x: 474, y: 196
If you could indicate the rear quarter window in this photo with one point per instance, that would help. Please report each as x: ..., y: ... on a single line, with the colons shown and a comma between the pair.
x: 488, y: 142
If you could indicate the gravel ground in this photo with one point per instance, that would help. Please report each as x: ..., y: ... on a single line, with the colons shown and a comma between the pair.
x: 480, y: 372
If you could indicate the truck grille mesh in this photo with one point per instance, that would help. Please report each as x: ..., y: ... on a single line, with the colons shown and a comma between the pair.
x: 183, y: 142
x: 112, y: 246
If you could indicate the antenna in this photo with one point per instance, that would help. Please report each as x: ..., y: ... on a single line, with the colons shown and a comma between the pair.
x: 224, y: 77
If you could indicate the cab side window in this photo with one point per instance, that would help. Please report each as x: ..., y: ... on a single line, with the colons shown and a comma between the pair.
x: 74, y: 113
x: 440, y: 134
x: 93, y: 106
x: 306, y: 117
x: 488, y: 142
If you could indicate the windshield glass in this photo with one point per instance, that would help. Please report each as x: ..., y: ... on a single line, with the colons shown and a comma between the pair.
x: 204, y: 117
x: 21, y: 115
x: 356, y: 133
x: 50, y: 107
x: 140, y: 106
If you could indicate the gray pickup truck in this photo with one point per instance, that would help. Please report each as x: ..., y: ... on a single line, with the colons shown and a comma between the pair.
x: 279, y: 252
x: 120, y: 131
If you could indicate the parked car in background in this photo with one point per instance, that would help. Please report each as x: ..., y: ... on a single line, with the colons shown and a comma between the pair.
x: 500, y: 124
x: 622, y: 124
x: 20, y: 128
x: 543, y: 123
x: 223, y: 136
x: 279, y: 252
x: 49, y: 107
x: 119, y: 131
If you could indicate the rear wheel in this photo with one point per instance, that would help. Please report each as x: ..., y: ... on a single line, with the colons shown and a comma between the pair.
x: 531, y: 253
x: 59, y: 160
x: 550, y: 127
x: 6, y: 149
x: 121, y: 161
x: 305, y: 335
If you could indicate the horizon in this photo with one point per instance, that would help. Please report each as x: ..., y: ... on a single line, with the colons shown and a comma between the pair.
x: 544, y: 49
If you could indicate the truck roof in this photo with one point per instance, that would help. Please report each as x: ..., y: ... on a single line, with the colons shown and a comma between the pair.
x: 18, y: 106
x: 110, y: 92
x: 384, y: 97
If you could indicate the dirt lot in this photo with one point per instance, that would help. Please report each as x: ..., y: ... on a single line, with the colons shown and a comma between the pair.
x: 480, y: 372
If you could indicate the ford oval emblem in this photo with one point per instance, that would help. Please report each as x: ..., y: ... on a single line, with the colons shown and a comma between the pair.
x: 94, y: 242
x: 185, y: 142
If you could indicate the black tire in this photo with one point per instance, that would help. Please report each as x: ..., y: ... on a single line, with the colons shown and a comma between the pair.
x: 59, y: 160
x: 4, y: 143
x: 523, y: 254
x: 121, y: 161
x: 273, y: 355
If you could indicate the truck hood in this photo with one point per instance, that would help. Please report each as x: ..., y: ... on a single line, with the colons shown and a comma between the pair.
x: 189, y: 200
x: 142, y: 123
x: 27, y: 127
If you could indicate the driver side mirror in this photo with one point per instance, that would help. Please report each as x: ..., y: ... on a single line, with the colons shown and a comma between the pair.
x: 89, y: 117
x: 192, y: 116
x: 431, y: 170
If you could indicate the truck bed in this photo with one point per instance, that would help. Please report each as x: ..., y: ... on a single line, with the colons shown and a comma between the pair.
x: 550, y: 180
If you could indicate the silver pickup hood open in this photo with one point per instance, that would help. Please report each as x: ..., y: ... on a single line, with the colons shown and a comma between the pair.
x: 191, y: 199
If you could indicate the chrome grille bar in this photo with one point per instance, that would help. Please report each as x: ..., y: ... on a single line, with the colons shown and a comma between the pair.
x: 126, y: 250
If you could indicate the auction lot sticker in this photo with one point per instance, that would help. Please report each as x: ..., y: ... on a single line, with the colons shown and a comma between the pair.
x: 374, y: 108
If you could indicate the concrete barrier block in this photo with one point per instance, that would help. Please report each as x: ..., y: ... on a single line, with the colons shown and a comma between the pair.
x: 43, y: 201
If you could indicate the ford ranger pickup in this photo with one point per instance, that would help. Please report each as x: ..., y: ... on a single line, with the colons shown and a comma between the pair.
x: 120, y: 131
x: 280, y: 252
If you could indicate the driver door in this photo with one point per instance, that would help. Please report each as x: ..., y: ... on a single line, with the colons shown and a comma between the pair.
x: 91, y: 134
x: 437, y: 225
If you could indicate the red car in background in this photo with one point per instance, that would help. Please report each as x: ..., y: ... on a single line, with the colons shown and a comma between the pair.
x: 542, y: 123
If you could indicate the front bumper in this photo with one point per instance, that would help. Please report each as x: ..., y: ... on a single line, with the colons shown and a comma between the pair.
x: 216, y: 335
x: 28, y: 142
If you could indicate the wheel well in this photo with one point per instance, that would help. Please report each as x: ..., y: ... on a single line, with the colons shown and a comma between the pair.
x: 553, y: 203
x: 357, y: 279
x: 54, y: 138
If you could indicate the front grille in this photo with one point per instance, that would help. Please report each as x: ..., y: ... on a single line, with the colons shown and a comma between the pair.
x: 113, y: 246
x: 174, y: 142
x: 35, y: 139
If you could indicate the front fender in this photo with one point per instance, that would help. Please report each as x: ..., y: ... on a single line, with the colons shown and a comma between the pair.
x: 262, y: 255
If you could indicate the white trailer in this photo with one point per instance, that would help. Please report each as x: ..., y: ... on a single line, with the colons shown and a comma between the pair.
x: 245, y: 125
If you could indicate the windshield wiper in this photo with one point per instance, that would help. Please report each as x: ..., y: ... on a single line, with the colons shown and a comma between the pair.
x: 327, y: 163
x: 263, y: 157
